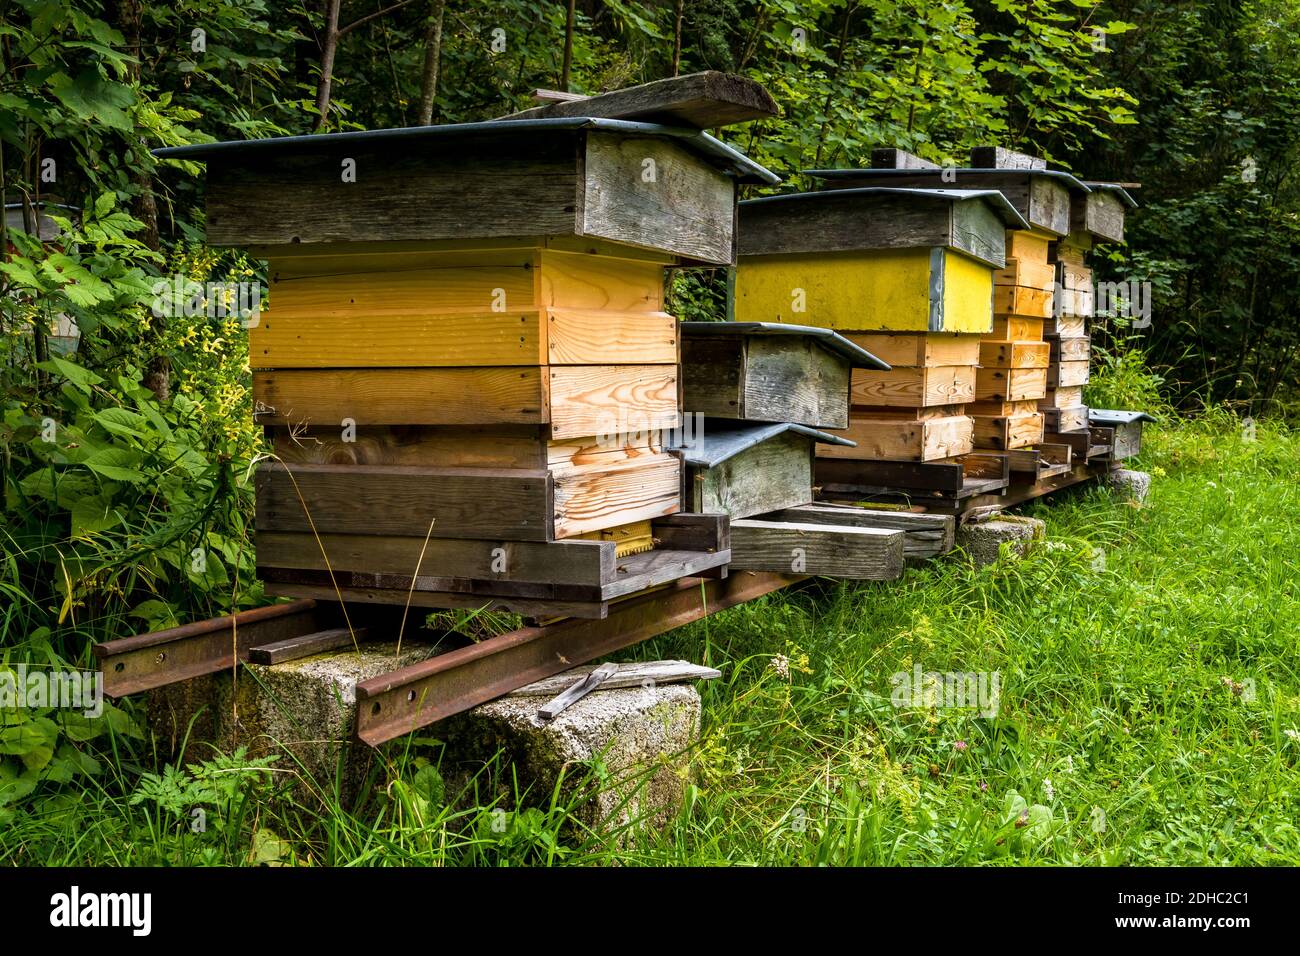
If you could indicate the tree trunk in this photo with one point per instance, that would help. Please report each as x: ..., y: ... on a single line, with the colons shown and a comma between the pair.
x: 677, y: 37
x: 130, y: 17
x: 329, y: 45
x: 568, y: 47
x: 432, y: 59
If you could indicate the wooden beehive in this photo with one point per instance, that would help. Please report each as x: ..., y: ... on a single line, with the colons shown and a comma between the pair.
x: 770, y: 372
x: 904, y: 273
x: 466, y: 370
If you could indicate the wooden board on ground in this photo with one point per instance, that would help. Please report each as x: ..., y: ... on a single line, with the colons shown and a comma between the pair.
x: 857, y: 553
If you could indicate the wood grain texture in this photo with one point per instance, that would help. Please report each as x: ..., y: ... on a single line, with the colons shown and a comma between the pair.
x: 914, y: 387
x: 402, y: 396
x: 1012, y: 431
x: 713, y: 372
x: 594, y: 497
x: 593, y: 337
x: 855, y: 553
x: 926, y: 440
x: 1099, y: 213
x: 919, y: 350
x: 774, y: 474
x: 1049, y: 205
x: 398, y: 194
x: 925, y: 535
x: 513, y: 504
x: 1067, y: 397
x: 795, y: 380
x: 687, y: 208
x: 435, y: 446
x: 466, y: 340
x: 611, y: 399
x: 1022, y: 301
x: 574, y: 562
x: 1066, y: 326
x: 1010, y: 385
x: 834, y: 222
x: 606, y: 279
x: 1069, y: 419
x: 1027, y: 246
x: 999, y: 157
x: 701, y: 100
x: 1030, y: 273
x: 1017, y: 328
x: 1064, y: 374
x: 995, y: 353
x: 1074, y: 348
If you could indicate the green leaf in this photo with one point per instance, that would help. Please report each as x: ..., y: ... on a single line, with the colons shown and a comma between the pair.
x: 117, y: 464
x: 93, y: 514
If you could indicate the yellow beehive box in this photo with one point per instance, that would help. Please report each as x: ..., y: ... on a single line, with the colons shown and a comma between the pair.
x: 873, y: 259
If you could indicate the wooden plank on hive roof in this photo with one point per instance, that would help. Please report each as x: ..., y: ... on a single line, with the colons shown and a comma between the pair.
x: 403, y: 396
x: 598, y: 400
x: 700, y: 100
x: 999, y: 157
x: 514, y: 504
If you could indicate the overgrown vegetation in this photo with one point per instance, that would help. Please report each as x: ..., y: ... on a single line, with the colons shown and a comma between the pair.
x: 127, y: 436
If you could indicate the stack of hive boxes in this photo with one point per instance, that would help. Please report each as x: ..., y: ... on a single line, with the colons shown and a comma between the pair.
x: 1013, y: 357
x: 466, y: 371
x: 907, y: 274
x: 1095, y: 217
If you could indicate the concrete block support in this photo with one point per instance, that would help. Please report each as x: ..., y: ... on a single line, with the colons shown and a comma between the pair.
x: 983, y: 541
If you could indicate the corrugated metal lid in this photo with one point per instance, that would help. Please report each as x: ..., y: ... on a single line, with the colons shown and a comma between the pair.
x: 721, y: 439
x: 829, y: 339
x: 1107, y: 417
x: 1066, y: 178
x: 719, y: 153
x: 1010, y: 215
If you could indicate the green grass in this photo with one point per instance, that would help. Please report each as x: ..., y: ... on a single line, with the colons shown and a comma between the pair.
x: 1148, y: 663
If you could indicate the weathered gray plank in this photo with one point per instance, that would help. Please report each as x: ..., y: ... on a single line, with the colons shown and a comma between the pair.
x: 295, y: 648
x: 700, y: 100
x: 572, y: 561
x: 655, y: 194
x: 928, y: 535
x: 633, y: 674
x: 774, y: 474
x: 1100, y: 214
x: 712, y: 375
x: 487, y: 187
x: 871, y: 554
x: 515, y: 504
x: 889, y: 157
x: 999, y: 157
x: 829, y: 222
x: 795, y: 380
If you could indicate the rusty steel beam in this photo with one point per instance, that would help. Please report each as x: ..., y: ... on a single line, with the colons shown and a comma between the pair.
x: 146, y: 661
x: 412, y: 697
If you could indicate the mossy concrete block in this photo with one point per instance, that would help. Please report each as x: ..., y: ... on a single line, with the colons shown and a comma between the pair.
x: 983, y: 541
x: 304, y: 709
x: 1131, y: 485
x: 623, y: 753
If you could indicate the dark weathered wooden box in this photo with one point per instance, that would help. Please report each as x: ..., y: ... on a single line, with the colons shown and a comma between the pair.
x: 1121, y: 430
x: 770, y: 372
x: 625, y: 182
